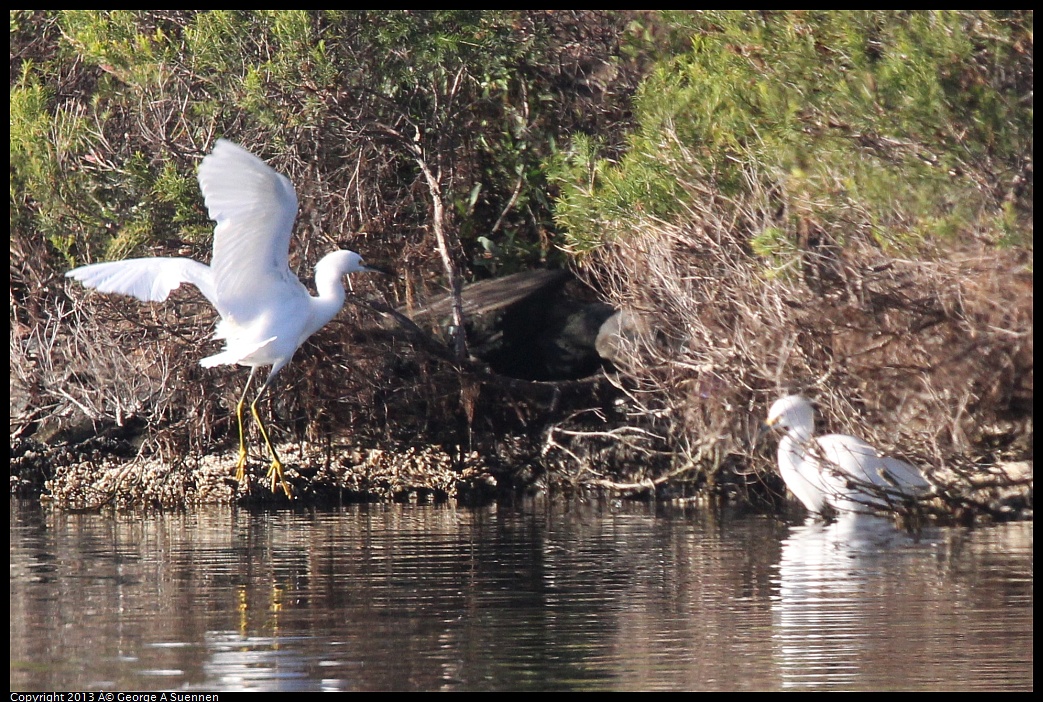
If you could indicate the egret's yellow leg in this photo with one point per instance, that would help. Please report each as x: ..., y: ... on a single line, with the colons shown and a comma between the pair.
x: 275, y: 472
x: 240, y: 466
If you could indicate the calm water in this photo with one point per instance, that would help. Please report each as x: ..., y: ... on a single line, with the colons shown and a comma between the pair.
x: 610, y: 596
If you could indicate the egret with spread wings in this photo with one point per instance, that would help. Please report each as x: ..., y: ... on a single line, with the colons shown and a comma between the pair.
x: 266, y: 313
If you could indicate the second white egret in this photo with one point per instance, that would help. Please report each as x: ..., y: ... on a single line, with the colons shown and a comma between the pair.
x: 266, y: 313
x: 836, y: 472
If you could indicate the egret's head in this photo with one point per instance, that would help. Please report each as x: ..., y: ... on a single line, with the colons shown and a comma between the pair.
x: 791, y: 412
x: 344, y: 262
x: 352, y: 262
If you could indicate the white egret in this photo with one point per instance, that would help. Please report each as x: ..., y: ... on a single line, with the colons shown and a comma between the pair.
x: 266, y: 313
x: 836, y: 472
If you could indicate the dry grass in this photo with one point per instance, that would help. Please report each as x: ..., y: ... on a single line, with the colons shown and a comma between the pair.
x: 929, y: 359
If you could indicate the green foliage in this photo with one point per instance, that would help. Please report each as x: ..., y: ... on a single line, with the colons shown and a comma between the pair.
x: 482, y: 92
x: 38, y: 142
x: 601, y: 196
x: 899, y: 127
x: 116, y: 41
x: 904, y: 127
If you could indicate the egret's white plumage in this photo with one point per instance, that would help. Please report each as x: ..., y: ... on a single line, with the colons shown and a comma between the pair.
x: 836, y: 471
x: 266, y: 313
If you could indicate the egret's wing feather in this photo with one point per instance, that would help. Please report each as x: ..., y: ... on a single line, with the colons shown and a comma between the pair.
x: 233, y: 353
x: 254, y: 207
x: 901, y: 474
x: 147, y: 279
x: 867, y: 465
x: 847, y: 455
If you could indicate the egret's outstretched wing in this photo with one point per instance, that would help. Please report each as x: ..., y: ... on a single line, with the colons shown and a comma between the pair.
x: 254, y: 207
x: 147, y: 279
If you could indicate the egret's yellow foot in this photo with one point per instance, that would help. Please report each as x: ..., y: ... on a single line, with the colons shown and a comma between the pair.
x: 240, y: 468
x: 276, y: 476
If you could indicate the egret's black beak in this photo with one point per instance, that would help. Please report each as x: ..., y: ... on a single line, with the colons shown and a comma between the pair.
x: 376, y: 269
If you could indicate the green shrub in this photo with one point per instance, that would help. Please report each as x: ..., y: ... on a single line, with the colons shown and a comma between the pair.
x: 904, y: 127
x: 111, y: 111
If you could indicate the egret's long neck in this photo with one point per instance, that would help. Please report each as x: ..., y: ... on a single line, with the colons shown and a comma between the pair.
x: 792, y: 448
x: 329, y: 283
x: 795, y: 442
x: 800, y: 432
